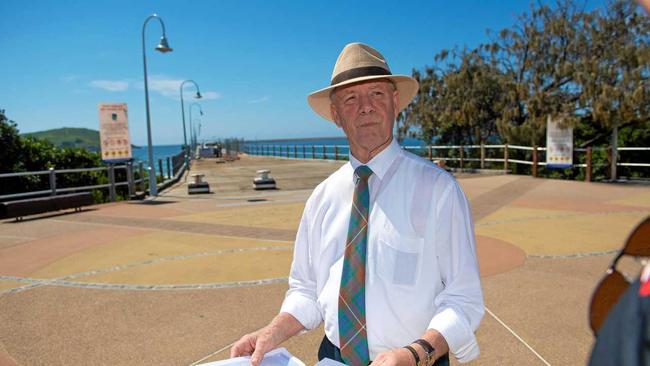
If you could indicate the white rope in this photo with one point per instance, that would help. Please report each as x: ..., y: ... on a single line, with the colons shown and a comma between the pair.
x: 518, y: 337
x: 212, y: 354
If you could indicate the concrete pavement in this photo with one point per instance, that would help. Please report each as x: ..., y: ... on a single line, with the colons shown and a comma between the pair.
x: 175, y: 279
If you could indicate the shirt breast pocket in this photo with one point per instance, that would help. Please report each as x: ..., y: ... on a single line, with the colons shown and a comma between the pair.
x: 399, y: 259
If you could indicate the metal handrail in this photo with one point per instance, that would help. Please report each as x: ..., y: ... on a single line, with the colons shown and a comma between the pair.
x: 130, y: 182
x: 463, y: 154
x: 98, y: 169
x: 60, y: 171
x: 633, y: 164
x: 26, y: 194
x: 22, y: 174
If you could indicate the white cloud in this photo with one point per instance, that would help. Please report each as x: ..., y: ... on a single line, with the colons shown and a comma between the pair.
x: 210, y: 95
x: 170, y: 87
x: 165, y: 86
x: 110, y: 85
x: 263, y: 99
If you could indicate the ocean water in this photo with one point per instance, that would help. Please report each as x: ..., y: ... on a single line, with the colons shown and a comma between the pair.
x: 323, y: 141
x: 159, y: 152
x: 279, y: 146
x: 163, y: 151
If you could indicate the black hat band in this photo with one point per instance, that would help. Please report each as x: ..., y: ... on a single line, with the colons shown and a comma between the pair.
x: 359, y: 72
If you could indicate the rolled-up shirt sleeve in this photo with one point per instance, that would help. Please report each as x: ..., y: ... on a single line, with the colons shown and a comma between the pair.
x: 460, y: 304
x: 300, y: 300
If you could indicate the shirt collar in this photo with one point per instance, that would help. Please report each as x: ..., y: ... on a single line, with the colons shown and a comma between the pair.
x: 382, y: 161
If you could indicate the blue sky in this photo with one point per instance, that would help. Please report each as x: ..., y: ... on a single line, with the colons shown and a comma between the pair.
x: 255, y: 61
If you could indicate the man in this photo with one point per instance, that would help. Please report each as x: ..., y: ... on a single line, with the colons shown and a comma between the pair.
x: 385, y: 252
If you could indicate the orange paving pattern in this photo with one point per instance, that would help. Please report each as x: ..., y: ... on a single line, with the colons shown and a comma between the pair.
x: 552, y: 237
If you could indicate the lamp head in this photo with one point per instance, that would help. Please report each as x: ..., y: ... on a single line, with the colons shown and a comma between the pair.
x: 163, y: 46
x: 198, y: 95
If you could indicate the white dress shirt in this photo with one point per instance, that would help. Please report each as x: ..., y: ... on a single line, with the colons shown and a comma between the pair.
x: 421, y: 270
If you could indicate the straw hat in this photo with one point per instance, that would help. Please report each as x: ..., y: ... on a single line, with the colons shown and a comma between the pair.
x: 360, y: 62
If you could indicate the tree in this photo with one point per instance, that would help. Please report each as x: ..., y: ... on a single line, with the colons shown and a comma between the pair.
x: 577, y: 66
x: 588, y: 69
x: 9, y: 144
x: 459, y: 104
x: 538, y: 57
x: 614, y: 80
x: 472, y: 99
x: 421, y: 118
x: 21, y: 154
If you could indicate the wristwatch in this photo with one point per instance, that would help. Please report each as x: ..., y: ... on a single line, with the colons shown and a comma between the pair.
x: 430, y: 357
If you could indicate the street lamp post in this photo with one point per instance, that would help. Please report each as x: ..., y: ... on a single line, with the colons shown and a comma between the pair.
x: 198, y: 96
x: 198, y: 132
x: 163, y: 47
x: 192, y: 133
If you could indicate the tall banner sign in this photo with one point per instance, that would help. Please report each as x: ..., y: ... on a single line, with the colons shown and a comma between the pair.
x: 114, y: 132
x: 559, y: 145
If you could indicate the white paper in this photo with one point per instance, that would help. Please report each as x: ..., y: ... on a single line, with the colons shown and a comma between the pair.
x: 277, y: 357
x: 329, y: 362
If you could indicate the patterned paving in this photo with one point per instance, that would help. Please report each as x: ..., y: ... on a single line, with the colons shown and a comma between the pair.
x: 157, y: 266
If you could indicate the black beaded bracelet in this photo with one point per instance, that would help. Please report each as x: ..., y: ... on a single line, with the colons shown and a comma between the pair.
x: 428, y: 348
x: 430, y: 352
x: 414, y: 353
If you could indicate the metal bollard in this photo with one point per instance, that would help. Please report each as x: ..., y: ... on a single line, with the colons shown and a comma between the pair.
x: 53, y: 181
x: 111, y: 182
x: 505, y: 159
x: 535, y: 162
x: 589, y: 165
x: 142, y: 180
x: 461, y: 153
x: 129, y: 178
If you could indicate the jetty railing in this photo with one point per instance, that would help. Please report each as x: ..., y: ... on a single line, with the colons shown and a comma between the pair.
x: 507, y: 158
x: 130, y: 175
x: 327, y: 152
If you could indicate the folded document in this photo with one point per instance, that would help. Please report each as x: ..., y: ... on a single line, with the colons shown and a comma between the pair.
x: 277, y: 357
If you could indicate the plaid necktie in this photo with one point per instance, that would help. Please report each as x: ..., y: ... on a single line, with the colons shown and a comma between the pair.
x: 352, y: 295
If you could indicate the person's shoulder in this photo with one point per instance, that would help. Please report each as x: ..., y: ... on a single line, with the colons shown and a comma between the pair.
x: 328, y: 186
x: 427, y: 170
x: 341, y: 175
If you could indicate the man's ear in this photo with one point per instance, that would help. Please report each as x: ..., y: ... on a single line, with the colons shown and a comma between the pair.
x: 335, y: 115
x: 396, y: 102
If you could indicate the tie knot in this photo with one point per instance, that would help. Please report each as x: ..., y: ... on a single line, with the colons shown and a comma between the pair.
x: 363, y: 172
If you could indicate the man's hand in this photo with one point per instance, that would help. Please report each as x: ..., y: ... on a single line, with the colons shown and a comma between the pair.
x: 257, y: 344
x: 404, y: 357
x: 395, y: 357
